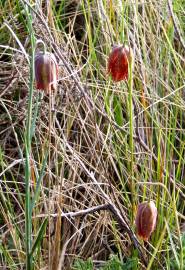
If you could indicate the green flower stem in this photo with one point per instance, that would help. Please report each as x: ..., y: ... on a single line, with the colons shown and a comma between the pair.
x: 28, y: 212
x: 131, y: 143
x: 40, y: 41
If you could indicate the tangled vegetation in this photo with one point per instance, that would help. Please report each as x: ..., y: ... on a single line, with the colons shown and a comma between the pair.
x: 75, y: 163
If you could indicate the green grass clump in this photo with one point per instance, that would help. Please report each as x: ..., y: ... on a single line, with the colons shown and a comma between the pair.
x: 112, y: 264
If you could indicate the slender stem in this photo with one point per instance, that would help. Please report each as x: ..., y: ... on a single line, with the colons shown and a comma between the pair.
x: 49, y: 180
x: 131, y: 144
x: 40, y: 41
x: 28, y: 212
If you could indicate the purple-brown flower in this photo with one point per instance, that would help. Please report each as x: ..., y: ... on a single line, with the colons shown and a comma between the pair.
x: 118, y: 62
x: 46, y: 71
x: 146, y: 219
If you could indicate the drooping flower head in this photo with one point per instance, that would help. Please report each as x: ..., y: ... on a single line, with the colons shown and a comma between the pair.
x: 46, y: 71
x: 146, y: 219
x: 118, y: 62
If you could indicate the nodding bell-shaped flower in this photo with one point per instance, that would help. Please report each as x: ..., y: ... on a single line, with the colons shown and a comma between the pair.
x: 118, y: 62
x: 46, y: 71
x: 146, y: 219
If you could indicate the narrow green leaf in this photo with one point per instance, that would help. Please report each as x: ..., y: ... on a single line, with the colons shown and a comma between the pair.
x: 39, y: 182
x: 39, y: 237
x: 33, y: 124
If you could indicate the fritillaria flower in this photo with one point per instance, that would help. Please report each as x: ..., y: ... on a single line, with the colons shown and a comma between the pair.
x: 46, y: 71
x: 146, y: 219
x: 118, y: 62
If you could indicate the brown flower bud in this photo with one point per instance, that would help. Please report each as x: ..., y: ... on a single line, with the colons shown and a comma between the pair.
x: 146, y: 219
x: 118, y: 62
x: 46, y: 71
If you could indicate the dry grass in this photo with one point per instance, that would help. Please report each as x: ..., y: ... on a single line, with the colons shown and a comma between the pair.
x: 89, y: 132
